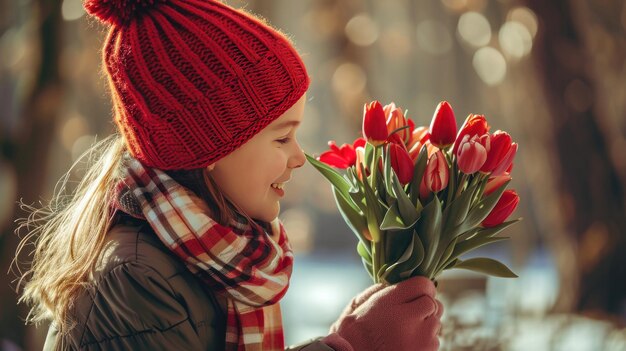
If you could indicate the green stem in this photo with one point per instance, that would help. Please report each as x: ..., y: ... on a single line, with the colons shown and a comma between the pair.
x: 460, y: 185
x: 375, y: 259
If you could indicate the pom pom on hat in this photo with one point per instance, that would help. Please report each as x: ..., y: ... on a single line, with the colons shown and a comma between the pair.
x: 118, y: 12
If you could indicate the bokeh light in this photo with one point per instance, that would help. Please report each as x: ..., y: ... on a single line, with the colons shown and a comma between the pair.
x: 349, y: 78
x: 526, y: 17
x: 362, y: 30
x: 72, y: 10
x: 489, y: 65
x: 515, y: 39
x: 474, y: 29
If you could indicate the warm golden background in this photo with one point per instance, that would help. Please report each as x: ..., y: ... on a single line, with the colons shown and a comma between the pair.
x: 551, y: 73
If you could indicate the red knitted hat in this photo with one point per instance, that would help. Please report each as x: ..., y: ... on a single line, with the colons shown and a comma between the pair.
x: 192, y: 80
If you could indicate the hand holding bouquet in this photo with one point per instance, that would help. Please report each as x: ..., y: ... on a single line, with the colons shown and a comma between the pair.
x: 419, y: 198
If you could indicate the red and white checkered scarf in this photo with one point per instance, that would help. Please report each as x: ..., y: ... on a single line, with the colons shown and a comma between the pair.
x: 243, y: 261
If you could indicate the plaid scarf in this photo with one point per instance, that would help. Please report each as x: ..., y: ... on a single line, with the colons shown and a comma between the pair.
x: 242, y: 261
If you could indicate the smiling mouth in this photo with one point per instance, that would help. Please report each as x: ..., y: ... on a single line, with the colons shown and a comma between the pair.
x: 278, y: 185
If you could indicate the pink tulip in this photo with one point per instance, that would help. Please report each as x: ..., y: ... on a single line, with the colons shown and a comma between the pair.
x: 437, y: 172
x: 500, y: 145
x: 443, y: 126
x: 496, y: 182
x: 374, y: 124
x: 473, y: 125
x: 472, y: 153
x: 503, y: 209
x: 343, y: 156
x: 401, y: 163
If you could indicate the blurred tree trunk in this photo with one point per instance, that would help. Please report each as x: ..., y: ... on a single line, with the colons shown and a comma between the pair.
x: 26, y: 150
x: 592, y: 192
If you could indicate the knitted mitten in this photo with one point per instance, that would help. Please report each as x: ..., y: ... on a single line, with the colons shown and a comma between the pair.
x: 404, y: 316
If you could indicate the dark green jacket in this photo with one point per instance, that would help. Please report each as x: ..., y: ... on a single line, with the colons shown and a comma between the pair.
x: 144, y: 298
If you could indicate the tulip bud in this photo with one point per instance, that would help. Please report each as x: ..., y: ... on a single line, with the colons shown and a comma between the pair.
x: 500, y: 145
x: 503, y: 209
x: 374, y: 123
x: 496, y: 182
x: 472, y: 153
x: 443, y: 126
x: 401, y: 163
x: 437, y: 172
x: 360, y: 160
x: 473, y: 125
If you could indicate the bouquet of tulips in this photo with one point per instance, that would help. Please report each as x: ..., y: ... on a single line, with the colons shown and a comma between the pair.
x: 419, y: 198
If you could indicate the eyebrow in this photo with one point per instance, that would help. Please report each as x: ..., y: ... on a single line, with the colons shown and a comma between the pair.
x: 285, y: 125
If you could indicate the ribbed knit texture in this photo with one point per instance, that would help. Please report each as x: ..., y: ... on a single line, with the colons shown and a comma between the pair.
x: 192, y: 80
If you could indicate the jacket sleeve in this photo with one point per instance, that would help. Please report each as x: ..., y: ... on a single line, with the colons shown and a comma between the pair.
x: 310, y: 345
x: 135, y: 308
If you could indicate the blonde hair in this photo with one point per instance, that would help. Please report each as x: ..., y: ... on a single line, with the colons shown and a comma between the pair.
x: 69, y: 233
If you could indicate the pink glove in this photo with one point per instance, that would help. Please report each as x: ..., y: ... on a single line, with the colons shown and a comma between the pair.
x: 404, y: 316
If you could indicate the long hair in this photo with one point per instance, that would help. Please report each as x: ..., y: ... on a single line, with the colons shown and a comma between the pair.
x: 68, y: 234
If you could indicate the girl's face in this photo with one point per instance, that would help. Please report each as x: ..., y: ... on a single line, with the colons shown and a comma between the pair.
x: 246, y: 175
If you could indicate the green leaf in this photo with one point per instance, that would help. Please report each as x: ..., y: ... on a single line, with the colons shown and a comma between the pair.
x: 405, y: 206
x: 446, y: 255
x: 372, y: 211
x: 472, y: 244
x: 480, y: 211
x: 336, y: 179
x: 489, y: 232
x: 456, y: 212
x: 392, y: 220
x: 486, y: 266
x: 408, y: 262
x: 416, y: 259
x: 387, y: 172
x: 403, y: 258
x: 351, y: 215
x: 364, y: 252
x: 418, y: 173
x: 429, y: 228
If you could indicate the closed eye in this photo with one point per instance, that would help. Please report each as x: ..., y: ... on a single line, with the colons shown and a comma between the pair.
x: 284, y: 140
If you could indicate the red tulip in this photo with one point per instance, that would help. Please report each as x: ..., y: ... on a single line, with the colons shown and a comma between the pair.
x: 472, y: 153
x: 374, y: 123
x: 503, y: 209
x: 443, y: 126
x: 499, y: 146
x: 341, y: 157
x: 507, y: 161
x: 473, y: 125
x: 437, y: 172
x: 496, y: 182
x: 401, y: 163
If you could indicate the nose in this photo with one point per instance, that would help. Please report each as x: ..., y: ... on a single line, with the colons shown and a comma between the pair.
x: 298, y: 159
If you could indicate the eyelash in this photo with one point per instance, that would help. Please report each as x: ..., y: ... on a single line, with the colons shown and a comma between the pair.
x: 284, y: 140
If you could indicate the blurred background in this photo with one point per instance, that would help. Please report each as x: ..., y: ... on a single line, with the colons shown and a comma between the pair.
x: 551, y: 73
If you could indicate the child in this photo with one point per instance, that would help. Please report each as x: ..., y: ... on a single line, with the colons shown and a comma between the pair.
x: 171, y: 241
